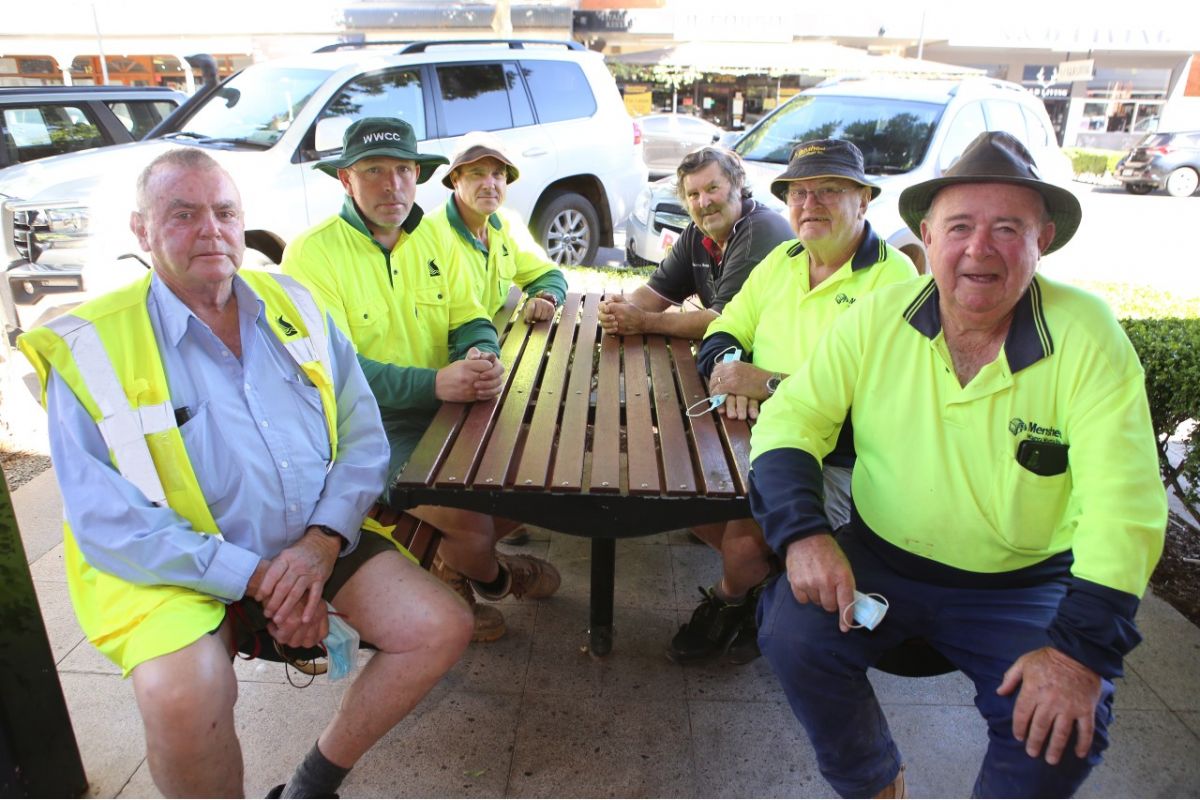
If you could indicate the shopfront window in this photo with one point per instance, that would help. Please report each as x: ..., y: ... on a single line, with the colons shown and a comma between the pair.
x: 1125, y: 100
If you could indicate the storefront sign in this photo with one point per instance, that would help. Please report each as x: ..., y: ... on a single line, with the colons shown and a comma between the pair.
x: 1082, y: 70
x: 1054, y: 91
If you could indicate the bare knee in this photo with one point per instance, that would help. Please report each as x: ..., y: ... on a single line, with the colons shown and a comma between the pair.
x: 187, y: 692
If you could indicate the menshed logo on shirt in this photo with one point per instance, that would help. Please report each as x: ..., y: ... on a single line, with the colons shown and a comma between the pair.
x: 1017, y: 426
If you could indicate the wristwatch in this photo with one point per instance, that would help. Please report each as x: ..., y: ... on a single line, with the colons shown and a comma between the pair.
x: 773, y: 382
x: 328, y: 531
x: 549, y: 297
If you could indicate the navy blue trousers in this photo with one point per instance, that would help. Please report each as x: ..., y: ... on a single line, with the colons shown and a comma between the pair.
x: 981, y: 631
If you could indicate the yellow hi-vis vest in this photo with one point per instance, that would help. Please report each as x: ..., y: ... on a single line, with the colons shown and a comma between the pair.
x: 105, y: 351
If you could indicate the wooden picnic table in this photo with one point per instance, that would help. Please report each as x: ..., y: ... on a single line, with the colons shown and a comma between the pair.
x: 589, y: 437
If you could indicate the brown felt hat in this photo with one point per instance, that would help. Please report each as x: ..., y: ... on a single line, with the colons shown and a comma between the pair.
x: 996, y: 157
x: 477, y: 145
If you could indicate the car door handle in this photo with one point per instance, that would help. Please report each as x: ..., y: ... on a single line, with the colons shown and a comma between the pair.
x: 534, y: 152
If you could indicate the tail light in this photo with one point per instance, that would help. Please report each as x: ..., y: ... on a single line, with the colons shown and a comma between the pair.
x: 637, y: 133
x: 1161, y: 150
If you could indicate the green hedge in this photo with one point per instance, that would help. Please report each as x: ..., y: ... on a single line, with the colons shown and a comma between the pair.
x: 1093, y: 162
x: 1170, y: 353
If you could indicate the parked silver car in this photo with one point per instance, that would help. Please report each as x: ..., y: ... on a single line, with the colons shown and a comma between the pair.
x: 667, y: 138
x: 908, y: 130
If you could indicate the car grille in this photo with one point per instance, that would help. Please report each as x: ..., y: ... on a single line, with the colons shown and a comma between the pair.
x: 671, y: 215
x: 29, y: 225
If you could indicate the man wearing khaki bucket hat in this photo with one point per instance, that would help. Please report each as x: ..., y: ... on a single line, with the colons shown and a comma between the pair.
x: 397, y: 286
x: 1007, y: 507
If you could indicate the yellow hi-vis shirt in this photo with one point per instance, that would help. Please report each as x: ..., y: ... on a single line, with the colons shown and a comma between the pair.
x: 778, y: 317
x: 511, y: 256
x: 397, y: 307
x: 937, y: 472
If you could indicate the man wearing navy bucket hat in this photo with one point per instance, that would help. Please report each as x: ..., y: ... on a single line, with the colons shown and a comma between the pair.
x: 1006, y: 500
x: 398, y: 287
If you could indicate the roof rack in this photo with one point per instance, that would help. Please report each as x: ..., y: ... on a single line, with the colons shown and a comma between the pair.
x: 420, y: 47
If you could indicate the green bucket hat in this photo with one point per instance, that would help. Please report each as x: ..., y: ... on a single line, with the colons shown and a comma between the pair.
x: 380, y: 136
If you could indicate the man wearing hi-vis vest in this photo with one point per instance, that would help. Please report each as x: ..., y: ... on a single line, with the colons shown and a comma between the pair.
x: 217, y: 448
x: 398, y: 287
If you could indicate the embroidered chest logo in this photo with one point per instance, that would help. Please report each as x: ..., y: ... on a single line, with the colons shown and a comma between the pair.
x: 504, y: 250
x: 843, y: 299
x: 288, y: 328
x: 433, y: 269
x: 1017, y: 426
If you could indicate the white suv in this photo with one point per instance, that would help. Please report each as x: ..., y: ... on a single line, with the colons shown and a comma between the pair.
x: 909, y: 131
x: 66, y: 219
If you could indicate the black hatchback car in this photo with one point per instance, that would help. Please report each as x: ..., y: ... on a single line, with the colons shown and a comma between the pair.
x: 1168, y: 161
x: 40, y: 121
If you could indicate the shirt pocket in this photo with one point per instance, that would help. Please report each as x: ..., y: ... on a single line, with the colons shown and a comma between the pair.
x: 311, y: 413
x: 209, y: 454
x: 367, y: 321
x: 1032, y: 507
x: 432, y: 310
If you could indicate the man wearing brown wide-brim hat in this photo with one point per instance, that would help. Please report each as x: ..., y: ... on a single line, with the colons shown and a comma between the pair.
x: 1007, y: 505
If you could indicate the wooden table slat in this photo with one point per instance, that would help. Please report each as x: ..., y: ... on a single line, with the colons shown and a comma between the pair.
x: 502, y: 444
x: 736, y: 435
x: 568, y: 463
x: 460, y: 464
x: 641, y: 446
x: 606, y: 428
x: 678, y: 474
x: 534, y: 466
x: 715, y: 476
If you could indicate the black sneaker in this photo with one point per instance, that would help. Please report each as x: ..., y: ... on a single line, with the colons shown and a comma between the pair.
x: 713, y: 626
x: 744, y: 648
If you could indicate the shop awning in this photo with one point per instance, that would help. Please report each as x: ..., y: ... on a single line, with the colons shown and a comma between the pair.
x: 793, y: 58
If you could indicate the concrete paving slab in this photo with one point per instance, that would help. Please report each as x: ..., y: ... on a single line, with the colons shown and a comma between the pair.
x: 942, y: 747
x: 39, y: 515
x: 1152, y: 754
x: 641, y: 571
x: 1191, y: 719
x: 453, y: 745
x: 86, y: 659
x: 1168, y: 658
x: 752, y: 749
x: 62, y: 628
x: 107, y: 728
x: 692, y: 566
x: 50, y: 566
x: 636, y: 669
x: 500, y: 667
x: 617, y: 746
x: 1132, y: 691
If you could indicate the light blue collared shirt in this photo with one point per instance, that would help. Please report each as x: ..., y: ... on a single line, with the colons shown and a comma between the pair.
x: 257, y: 441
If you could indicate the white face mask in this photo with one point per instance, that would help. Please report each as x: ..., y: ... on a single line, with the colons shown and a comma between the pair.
x: 715, y: 401
x: 867, y: 610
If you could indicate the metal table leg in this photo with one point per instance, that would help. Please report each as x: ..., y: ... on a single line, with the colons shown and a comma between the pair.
x: 604, y: 559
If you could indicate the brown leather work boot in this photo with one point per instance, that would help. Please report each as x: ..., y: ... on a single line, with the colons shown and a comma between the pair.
x: 896, y: 788
x: 530, y: 577
x: 489, y: 622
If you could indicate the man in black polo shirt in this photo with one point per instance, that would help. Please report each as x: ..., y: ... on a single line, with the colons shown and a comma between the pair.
x: 729, y: 234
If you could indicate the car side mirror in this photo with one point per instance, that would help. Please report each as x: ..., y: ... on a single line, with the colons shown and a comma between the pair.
x: 330, y: 132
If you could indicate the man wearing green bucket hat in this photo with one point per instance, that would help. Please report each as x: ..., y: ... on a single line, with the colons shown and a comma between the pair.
x: 399, y: 289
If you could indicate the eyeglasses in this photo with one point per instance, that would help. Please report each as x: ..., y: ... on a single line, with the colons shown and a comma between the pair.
x: 824, y: 194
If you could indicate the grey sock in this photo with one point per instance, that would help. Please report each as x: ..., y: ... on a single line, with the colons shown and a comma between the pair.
x: 316, y: 776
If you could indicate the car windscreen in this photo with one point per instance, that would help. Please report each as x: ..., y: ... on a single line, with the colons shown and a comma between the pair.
x: 254, y: 107
x: 892, y: 134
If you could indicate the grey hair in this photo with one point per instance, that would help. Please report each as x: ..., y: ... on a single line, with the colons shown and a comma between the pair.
x: 183, y: 157
x: 729, y: 162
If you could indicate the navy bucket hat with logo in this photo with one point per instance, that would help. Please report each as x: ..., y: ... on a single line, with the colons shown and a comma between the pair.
x: 373, y: 137
x: 823, y: 158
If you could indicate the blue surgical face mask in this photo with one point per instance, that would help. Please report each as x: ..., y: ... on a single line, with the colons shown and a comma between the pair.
x: 715, y: 401
x: 341, y: 645
x: 868, y: 610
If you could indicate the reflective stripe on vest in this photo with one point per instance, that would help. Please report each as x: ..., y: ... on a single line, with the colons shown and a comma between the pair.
x: 125, y: 428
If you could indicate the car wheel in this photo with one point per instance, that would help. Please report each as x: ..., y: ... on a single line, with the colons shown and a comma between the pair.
x: 1138, y: 188
x: 1182, y: 182
x: 569, y: 228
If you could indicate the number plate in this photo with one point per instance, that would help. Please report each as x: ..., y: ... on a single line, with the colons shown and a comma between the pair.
x: 668, y: 238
